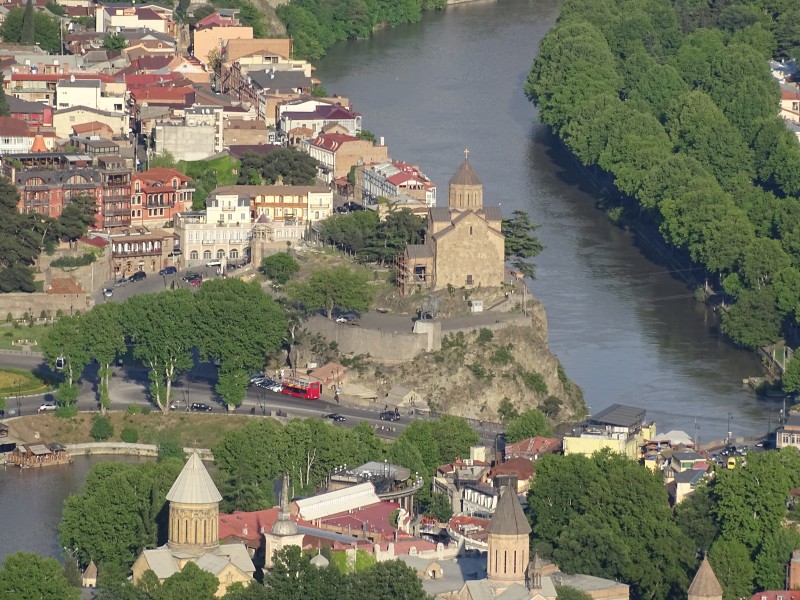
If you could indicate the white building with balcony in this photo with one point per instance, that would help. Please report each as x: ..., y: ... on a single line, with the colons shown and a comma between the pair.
x: 391, y: 180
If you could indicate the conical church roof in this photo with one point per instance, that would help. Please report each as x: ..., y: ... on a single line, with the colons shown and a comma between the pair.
x: 284, y: 525
x: 465, y: 175
x: 194, y: 485
x: 508, y: 518
x: 705, y: 583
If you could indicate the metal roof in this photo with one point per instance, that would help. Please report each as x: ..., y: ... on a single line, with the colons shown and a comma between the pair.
x: 508, y: 518
x: 620, y: 415
x: 337, y: 501
x: 194, y: 484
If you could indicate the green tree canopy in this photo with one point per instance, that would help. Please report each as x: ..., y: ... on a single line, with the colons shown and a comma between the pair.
x: 280, y: 267
x: 520, y: 243
x: 531, y: 423
x: 289, y: 166
x: 330, y: 289
x: 27, y: 575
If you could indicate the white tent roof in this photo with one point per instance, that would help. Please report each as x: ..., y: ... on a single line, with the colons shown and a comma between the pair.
x: 194, y: 484
x: 332, y: 503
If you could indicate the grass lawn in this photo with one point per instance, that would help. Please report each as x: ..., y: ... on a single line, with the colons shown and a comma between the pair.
x: 189, y: 429
x: 9, y: 335
x: 14, y: 381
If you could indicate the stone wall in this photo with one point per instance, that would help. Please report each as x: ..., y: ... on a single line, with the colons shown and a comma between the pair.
x: 186, y: 143
x: 19, y: 303
x: 469, y: 249
x: 117, y: 448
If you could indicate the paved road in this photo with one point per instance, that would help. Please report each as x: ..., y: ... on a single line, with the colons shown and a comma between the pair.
x: 129, y: 385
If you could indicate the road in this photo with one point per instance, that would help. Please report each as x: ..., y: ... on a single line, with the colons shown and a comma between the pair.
x: 129, y: 385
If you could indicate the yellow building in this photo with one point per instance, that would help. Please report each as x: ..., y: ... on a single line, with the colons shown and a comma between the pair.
x: 194, y: 534
x: 619, y: 428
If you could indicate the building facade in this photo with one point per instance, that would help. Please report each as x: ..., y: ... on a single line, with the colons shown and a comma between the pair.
x: 158, y: 194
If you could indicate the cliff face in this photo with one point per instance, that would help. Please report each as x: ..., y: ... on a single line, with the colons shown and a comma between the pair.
x: 476, y: 370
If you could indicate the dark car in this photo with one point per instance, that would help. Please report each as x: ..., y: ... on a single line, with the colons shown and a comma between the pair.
x: 168, y: 271
x: 191, y: 275
x: 336, y: 417
x: 199, y: 407
x: 138, y: 276
x: 390, y: 415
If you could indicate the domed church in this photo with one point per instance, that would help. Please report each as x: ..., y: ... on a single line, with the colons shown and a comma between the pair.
x: 194, y: 533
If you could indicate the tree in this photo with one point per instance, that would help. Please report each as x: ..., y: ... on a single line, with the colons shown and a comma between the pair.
x: 165, y: 159
x: 251, y: 336
x: 566, y: 592
x: 5, y: 111
x: 694, y: 515
x: 388, y: 580
x: 329, y: 289
x: 192, y: 582
x: 791, y: 376
x: 529, y: 424
x: 119, y: 511
x: 102, y: 428
x: 287, y: 165
x: 28, y: 25
x: 454, y: 437
x: 280, y: 267
x: 733, y: 567
x: 27, y: 575
x: 754, y: 321
x: 77, y: 217
x: 440, y: 508
x: 520, y: 242
x: 46, y: 32
x: 163, y: 332
x: 104, y: 335
x: 114, y: 42
x: 65, y: 350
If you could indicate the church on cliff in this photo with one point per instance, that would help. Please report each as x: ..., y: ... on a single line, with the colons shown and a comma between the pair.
x: 464, y: 246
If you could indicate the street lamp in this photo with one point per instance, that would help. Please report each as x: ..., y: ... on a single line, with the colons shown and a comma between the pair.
x: 730, y: 433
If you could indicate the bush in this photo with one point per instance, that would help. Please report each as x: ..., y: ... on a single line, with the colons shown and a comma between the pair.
x: 534, y: 382
x: 73, y: 262
x: 102, y: 428
x: 502, y: 356
x: 170, y: 449
x: 146, y: 409
x: 133, y: 409
x: 485, y: 335
x: 280, y: 267
x: 130, y: 435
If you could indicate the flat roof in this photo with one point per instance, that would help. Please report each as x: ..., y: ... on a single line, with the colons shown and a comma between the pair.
x: 620, y: 415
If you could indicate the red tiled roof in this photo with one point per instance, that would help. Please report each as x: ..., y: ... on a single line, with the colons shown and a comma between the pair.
x: 459, y: 464
x: 215, y: 20
x: 253, y: 522
x: 789, y: 94
x: 374, y: 518
x: 148, y: 14
x: 95, y: 241
x: 775, y: 594
x: 521, y: 467
x: 164, y: 94
x: 150, y: 79
x: 533, y: 446
x: 83, y: 128
x: 153, y: 63
x: 9, y: 126
x: 160, y: 175
x: 333, y: 141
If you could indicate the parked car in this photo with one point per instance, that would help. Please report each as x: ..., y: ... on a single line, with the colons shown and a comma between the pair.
x: 335, y: 417
x: 214, y: 263
x: 168, y: 271
x: 121, y: 282
x: 48, y: 406
x: 200, y: 407
x: 256, y: 377
x: 390, y: 415
x: 138, y: 276
x: 191, y: 275
x: 108, y: 292
x: 349, y: 318
x: 196, y: 282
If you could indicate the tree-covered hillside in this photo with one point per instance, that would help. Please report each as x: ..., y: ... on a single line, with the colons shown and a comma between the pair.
x: 685, y: 120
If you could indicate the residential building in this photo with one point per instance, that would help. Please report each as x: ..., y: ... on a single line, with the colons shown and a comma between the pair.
x: 465, y: 483
x: 117, y: 16
x: 48, y: 191
x: 147, y: 42
x: 141, y: 249
x: 533, y: 448
x: 237, y: 77
x: 64, y: 120
x: 390, y: 180
x: 199, y: 136
x: 115, y: 174
x: 464, y: 228
x: 245, y: 132
x: 95, y: 146
x: 338, y: 152
x: 234, y: 49
x: 222, y: 232
x: 789, y: 433
x: 619, y: 428
x: 15, y: 136
x: 790, y: 102
x: 298, y: 125
x: 158, y: 194
x: 41, y: 87
x: 35, y: 114
x: 91, y: 93
x: 93, y: 129
x: 193, y: 534
x: 211, y: 36
x: 515, y: 473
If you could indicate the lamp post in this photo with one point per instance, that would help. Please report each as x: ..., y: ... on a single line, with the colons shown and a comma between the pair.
x: 19, y: 393
x: 730, y: 433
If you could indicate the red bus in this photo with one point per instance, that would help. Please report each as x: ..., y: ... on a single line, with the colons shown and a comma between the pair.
x: 300, y: 388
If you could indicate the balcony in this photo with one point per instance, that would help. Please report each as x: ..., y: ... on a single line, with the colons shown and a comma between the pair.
x: 117, y: 210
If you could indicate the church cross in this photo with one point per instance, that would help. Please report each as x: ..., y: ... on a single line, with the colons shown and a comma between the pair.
x: 466, y: 153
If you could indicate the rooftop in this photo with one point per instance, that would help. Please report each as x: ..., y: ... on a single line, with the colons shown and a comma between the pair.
x: 620, y: 415
x: 194, y: 484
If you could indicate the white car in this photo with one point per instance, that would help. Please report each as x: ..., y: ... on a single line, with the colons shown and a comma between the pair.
x: 214, y: 263
x: 108, y: 292
x: 48, y: 406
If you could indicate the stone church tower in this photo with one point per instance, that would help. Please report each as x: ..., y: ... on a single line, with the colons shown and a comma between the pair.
x: 466, y: 188
x: 284, y: 531
x: 509, y: 532
x: 193, y: 510
x: 705, y: 585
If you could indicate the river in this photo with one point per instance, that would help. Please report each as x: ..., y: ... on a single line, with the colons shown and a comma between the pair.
x: 625, y: 330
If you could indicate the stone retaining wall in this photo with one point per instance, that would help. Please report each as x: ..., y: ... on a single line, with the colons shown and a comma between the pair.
x: 118, y: 448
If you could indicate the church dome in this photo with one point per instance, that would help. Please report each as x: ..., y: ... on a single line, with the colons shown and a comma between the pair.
x: 194, y: 484
x: 465, y: 175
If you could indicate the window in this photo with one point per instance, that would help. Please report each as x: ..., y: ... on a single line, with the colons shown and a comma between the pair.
x: 469, y: 279
x: 138, y: 186
x: 207, y: 255
x: 193, y: 255
x: 234, y: 254
x: 220, y: 254
x: 470, y: 229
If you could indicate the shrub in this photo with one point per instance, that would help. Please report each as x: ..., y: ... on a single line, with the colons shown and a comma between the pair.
x: 133, y: 409
x: 502, y: 356
x: 73, y: 262
x: 170, y: 448
x: 102, y: 428
x: 485, y: 335
x: 130, y: 435
x: 146, y: 409
x: 534, y: 382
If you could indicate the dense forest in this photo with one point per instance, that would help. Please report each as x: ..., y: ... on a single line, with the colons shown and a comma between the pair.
x: 677, y: 105
x: 315, y: 25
